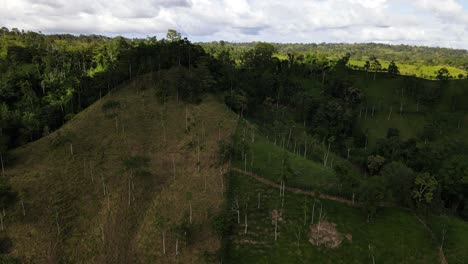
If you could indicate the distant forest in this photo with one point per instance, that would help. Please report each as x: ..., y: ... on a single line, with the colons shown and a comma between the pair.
x: 416, y: 55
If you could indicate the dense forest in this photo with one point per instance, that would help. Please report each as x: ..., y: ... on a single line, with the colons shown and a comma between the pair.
x: 45, y: 80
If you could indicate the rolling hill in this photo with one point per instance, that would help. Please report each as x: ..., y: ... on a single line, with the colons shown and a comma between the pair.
x: 128, y: 180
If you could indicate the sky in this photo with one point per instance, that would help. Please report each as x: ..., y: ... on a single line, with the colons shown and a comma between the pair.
x: 442, y: 23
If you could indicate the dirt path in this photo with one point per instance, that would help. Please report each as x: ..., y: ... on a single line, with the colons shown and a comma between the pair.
x: 296, y: 190
x: 443, y: 260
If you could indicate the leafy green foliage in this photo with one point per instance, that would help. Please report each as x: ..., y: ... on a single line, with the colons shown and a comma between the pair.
x: 424, y: 187
x: 400, y: 181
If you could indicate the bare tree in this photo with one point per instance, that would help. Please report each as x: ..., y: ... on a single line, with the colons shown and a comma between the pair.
x: 313, y: 212
x: 186, y: 119
x: 235, y: 208
x: 371, y: 251
x: 164, y: 242
x: 246, y: 224
x: 22, y: 207
x: 298, y: 235
x: 276, y: 224
x: 305, y: 149
x: 222, y: 180
x: 173, y: 167
x: 258, y: 201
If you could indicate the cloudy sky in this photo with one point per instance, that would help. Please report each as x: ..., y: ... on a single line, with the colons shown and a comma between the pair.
x: 420, y: 22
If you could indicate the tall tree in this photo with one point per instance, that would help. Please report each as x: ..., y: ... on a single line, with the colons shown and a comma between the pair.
x: 393, y: 69
x: 375, y: 65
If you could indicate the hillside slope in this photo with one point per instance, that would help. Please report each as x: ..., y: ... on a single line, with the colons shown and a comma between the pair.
x: 106, y: 186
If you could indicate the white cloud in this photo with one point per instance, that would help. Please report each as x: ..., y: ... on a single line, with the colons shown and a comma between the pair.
x: 423, y: 22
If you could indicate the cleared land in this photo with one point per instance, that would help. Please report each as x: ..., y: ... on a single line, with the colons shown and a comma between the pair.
x: 396, y: 236
x: 106, y: 186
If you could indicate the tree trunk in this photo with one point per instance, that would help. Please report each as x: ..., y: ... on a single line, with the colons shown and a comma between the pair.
x: 129, y: 192
x: 276, y: 225
x: 186, y: 119
x: 173, y: 167
x: 246, y: 225
x: 164, y: 242
x: 22, y: 207
x: 305, y: 149
x: 258, y: 203
x: 313, y: 212
x: 390, y: 113
x: 190, y: 217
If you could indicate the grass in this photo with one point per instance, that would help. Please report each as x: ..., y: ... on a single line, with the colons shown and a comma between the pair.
x: 395, y: 236
x: 265, y: 158
x: 385, y: 94
x: 456, y: 237
x: 268, y: 159
x: 78, y: 205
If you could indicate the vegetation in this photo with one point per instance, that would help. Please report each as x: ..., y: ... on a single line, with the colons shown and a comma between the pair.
x: 114, y: 151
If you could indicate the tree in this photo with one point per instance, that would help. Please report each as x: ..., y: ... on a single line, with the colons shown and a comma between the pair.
x: 260, y: 56
x: 453, y: 180
x: 393, y: 69
x: 400, y: 180
x: 375, y: 65
x: 286, y: 169
x: 375, y: 163
x: 173, y: 36
x: 237, y: 101
x: 367, y: 68
x: 424, y: 187
x: 348, y: 180
x: 371, y: 194
x: 443, y: 74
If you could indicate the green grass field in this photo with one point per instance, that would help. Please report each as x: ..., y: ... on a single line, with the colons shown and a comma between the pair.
x: 395, y: 236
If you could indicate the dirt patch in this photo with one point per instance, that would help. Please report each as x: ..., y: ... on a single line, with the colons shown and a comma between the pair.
x: 277, y: 215
x: 325, y: 234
